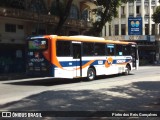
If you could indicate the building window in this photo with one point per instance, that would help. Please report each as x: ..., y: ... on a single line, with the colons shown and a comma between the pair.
x: 10, y: 28
x: 122, y: 10
x: 153, y: 29
x: 20, y: 27
x: 105, y: 30
x: 85, y: 15
x: 110, y: 30
x: 116, y: 29
x: 18, y: 4
x: 152, y: 9
x: 146, y: 10
x: 123, y: 29
x: 146, y: 29
x: 131, y: 10
x: 74, y: 12
x: 37, y: 6
x: 138, y: 9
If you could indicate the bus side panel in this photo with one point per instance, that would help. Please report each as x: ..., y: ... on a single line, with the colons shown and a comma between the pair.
x: 47, y: 55
x: 53, y: 56
x: 106, y: 65
x: 111, y: 67
x: 99, y: 65
x: 76, y: 68
x: 67, y: 68
x: 64, y: 69
x: 117, y: 64
x: 97, y: 62
x: 122, y: 61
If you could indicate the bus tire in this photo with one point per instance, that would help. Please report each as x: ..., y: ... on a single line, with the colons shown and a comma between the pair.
x: 91, y: 74
x: 127, y: 70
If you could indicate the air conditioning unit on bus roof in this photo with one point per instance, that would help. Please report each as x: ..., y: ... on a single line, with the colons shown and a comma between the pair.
x: 90, y: 37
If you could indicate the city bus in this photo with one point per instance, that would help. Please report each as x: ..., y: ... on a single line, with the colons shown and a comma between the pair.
x: 79, y: 56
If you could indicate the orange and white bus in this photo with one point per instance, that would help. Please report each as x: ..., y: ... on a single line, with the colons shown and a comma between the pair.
x: 79, y: 56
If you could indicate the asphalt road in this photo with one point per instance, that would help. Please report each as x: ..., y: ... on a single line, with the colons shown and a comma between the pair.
x: 139, y: 91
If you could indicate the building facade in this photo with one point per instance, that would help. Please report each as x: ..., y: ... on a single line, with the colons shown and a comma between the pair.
x: 146, y: 33
x: 22, y: 18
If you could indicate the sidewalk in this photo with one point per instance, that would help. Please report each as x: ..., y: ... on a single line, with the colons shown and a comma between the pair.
x: 13, y: 76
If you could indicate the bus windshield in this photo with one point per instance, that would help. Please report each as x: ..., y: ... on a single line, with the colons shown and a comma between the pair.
x: 37, y: 44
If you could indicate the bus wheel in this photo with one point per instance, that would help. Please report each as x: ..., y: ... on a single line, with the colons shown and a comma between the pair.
x: 127, y: 70
x: 91, y: 74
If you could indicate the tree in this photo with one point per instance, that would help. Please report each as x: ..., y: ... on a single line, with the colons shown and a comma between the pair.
x: 107, y: 12
x: 156, y: 15
x: 62, y: 10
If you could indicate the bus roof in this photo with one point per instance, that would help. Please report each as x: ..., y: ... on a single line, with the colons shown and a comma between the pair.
x: 82, y: 38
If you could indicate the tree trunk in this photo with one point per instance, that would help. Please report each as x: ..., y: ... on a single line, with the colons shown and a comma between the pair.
x: 63, y: 15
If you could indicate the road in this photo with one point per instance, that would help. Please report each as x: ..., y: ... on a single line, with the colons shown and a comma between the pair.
x: 136, y: 92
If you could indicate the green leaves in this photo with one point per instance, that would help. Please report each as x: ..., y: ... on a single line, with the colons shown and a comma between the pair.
x: 156, y: 15
x: 109, y: 11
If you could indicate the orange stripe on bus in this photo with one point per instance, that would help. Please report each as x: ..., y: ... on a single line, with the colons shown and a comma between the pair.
x: 85, y: 65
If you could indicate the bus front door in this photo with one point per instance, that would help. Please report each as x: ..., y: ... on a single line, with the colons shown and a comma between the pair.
x: 134, y: 54
x: 77, y: 59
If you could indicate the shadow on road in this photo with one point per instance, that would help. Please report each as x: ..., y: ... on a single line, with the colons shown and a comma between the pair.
x: 139, y: 96
x: 45, y: 82
x: 58, y: 81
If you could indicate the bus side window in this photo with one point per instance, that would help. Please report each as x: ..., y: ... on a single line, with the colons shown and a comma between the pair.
x: 126, y: 50
x: 88, y: 49
x: 63, y: 48
x: 110, y: 49
x: 119, y: 50
x: 99, y: 49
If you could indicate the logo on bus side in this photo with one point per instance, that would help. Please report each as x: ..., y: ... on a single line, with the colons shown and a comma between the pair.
x: 108, y: 62
x: 121, y: 61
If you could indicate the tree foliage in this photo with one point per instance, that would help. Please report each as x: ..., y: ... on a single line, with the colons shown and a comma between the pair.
x: 106, y: 14
x: 156, y: 15
x: 61, y: 8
